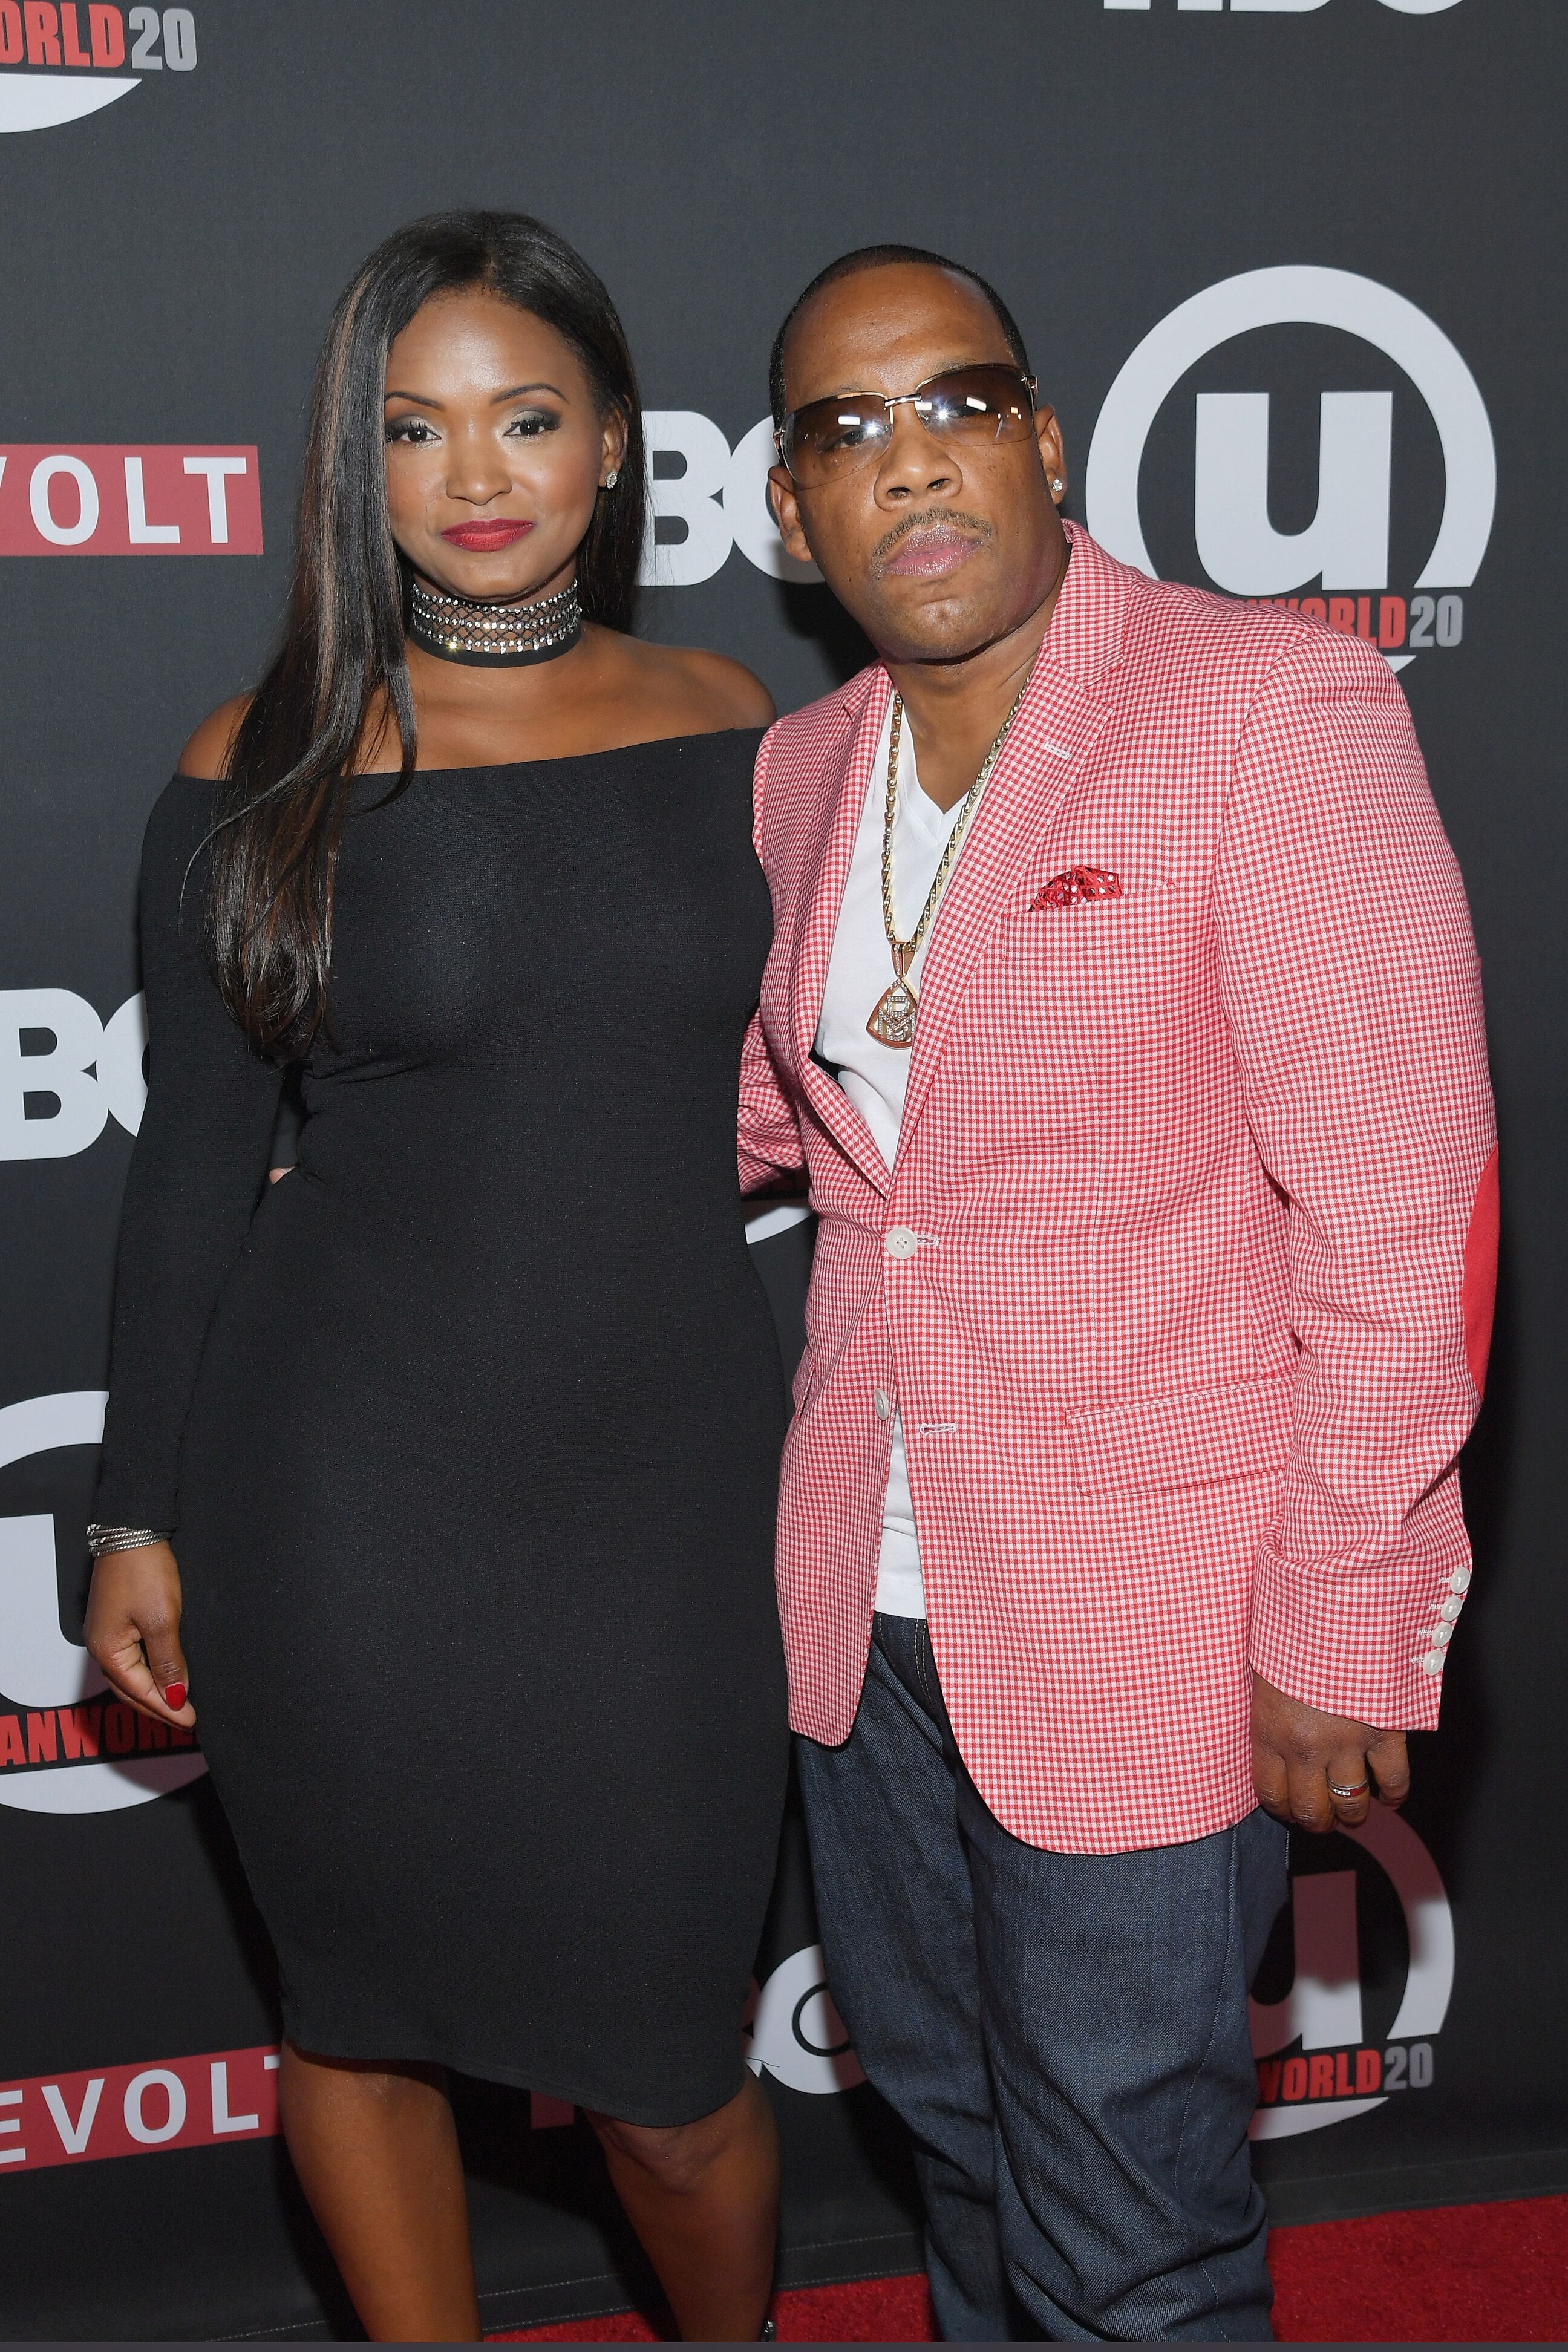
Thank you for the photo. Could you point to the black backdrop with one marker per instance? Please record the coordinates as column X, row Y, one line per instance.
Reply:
column 183, row 194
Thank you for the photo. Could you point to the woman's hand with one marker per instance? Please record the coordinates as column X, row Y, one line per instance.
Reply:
column 133, row 1631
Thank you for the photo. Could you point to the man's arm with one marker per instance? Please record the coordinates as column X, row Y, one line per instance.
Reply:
column 1352, row 990
column 769, row 1142
column 770, row 1145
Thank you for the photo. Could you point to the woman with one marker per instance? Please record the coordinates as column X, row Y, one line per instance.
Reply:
column 465, row 1433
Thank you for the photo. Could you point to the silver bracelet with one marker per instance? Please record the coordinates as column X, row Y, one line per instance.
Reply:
column 100, row 1539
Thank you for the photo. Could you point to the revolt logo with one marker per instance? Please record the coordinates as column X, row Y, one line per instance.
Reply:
column 136, row 2110
column 218, row 2099
column 1405, row 482
column 38, row 37
column 109, row 499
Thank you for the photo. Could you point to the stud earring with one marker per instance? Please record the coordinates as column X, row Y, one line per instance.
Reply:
column 1058, row 485
column 611, row 478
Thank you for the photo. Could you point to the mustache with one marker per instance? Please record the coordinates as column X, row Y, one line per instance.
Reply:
column 949, row 517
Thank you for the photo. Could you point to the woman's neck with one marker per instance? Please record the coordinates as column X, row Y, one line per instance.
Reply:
column 511, row 635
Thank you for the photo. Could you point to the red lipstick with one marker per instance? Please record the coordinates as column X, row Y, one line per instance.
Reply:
column 486, row 537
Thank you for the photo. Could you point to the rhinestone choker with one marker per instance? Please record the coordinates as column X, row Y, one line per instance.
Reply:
column 456, row 628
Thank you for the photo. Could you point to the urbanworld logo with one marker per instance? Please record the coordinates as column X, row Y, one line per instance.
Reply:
column 1347, row 542
column 1315, row 2067
column 64, row 1748
column 90, row 41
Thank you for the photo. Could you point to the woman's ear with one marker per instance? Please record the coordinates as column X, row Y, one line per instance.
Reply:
column 613, row 455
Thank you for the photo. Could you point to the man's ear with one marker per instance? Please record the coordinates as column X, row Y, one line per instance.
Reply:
column 1049, row 441
column 785, row 505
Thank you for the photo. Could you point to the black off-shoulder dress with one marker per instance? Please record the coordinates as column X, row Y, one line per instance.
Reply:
column 469, row 1428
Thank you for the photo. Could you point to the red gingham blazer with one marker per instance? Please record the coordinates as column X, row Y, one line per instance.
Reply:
column 1181, row 1278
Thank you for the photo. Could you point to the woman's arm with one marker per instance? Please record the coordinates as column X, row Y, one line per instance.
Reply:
column 198, row 1168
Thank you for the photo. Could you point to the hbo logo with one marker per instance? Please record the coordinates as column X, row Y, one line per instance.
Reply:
column 63, row 1070
column 718, row 500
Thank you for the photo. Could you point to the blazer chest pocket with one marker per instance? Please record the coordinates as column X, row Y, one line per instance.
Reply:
column 1095, row 928
column 1203, row 1437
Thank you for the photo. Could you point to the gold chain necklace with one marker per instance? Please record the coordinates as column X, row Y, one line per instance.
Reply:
column 893, row 1020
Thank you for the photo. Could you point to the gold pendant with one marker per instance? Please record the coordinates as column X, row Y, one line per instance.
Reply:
column 893, row 1022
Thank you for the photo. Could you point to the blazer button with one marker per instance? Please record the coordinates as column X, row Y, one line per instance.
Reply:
column 1450, row 1610
column 1460, row 1580
column 1432, row 1664
column 901, row 1243
column 883, row 1404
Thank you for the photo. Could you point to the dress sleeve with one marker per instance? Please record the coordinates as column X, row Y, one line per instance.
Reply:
column 196, row 1172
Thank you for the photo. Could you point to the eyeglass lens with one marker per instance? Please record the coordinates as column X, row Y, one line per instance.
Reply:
column 980, row 404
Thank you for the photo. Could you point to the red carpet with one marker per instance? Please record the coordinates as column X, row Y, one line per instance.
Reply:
column 1460, row 2274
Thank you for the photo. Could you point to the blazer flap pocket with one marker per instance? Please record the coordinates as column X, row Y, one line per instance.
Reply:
column 1162, row 1444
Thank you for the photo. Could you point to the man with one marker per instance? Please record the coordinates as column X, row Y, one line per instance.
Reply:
column 1124, row 1011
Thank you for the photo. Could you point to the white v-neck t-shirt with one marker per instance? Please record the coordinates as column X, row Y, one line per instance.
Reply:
column 875, row 1077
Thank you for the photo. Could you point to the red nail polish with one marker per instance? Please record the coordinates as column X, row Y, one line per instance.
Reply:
column 174, row 1697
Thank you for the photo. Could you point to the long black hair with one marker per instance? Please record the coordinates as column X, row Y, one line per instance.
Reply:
column 287, row 782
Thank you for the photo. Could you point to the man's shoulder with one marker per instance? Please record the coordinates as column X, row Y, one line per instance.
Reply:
column 820, row 724
column 804, row 756
column 1202, row 622
column 1197, row 631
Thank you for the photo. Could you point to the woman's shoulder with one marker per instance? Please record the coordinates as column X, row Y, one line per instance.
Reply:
column 205, row 756
column 725, row 687
column 699, row 692
column 181, row 818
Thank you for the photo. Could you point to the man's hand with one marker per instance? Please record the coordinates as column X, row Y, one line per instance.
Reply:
column 1300, row 1757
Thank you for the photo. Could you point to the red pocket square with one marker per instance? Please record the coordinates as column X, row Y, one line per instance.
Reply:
column 1075, row 887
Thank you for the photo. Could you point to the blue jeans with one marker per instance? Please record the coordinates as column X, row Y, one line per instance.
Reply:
column 1064, row 2034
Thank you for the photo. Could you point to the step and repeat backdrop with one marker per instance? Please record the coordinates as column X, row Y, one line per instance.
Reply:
column 1291, row 271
